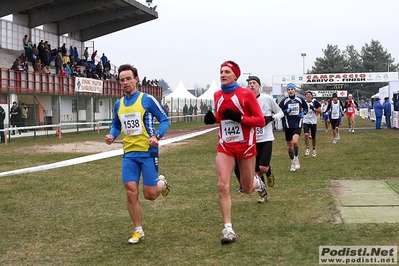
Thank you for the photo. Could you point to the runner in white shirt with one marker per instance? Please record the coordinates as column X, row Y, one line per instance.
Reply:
column 310, row 122
column 326, row 117
column 264, row 135
column 336, row 109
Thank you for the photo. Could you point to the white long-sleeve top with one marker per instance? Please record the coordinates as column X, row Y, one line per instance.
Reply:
column 269, row 107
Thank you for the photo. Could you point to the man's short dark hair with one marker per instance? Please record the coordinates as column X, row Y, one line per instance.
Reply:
column 128, row 67
column 253, row 78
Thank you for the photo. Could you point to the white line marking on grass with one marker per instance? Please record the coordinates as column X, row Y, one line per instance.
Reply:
column 94, row 157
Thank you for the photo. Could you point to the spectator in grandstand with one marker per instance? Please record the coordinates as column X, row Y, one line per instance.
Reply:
column 65, row 59
column 63, row 49
column 144, row 82
column 104, row 59
column 335, row 109
column 107, row 65
column 16, row 64
column 29, row 52
column 378, row 111
column 99, row 70
column 140, row 145
column 46, row 56
column 15, row 117
column 35, row 52
column 68, row 69
column 89, row 73
column 72, row 60
column 23, row 57
column 237, row 117
column 93, row 56
column 106, row 73
column 37, row 67
column 58, row 63
column 2, row 117
column 387, row 112
column 25, row 43
column 76, row 56
column 41, row 49
column 46, row 69
column 86, row 53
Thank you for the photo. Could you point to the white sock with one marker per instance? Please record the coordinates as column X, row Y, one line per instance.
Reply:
column 258, row 180
column 163, row 183
column 228, row 226
column 139, row 228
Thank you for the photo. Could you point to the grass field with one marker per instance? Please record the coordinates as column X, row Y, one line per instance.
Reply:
column 77, row 215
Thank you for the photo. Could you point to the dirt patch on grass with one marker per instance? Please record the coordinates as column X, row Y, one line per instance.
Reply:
column 76, row 147
column 336, row 191
column 101, row 146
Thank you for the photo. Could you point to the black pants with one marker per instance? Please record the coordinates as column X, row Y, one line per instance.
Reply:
column 2, row 132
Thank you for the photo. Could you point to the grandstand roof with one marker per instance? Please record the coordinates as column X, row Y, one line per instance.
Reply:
column 82, row 19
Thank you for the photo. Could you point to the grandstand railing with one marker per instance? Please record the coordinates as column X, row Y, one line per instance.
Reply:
column 23, row 82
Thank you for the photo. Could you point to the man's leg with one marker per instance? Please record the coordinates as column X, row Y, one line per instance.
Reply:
column 353, row 122
column 133, row 203
column 295, row 145
column 224, row 167
column 247, row 173
column 349, row 122
column 306, row 129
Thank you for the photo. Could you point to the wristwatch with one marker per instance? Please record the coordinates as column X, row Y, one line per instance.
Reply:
column 158, row 136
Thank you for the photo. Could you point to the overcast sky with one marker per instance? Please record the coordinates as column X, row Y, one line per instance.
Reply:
column 191, row 38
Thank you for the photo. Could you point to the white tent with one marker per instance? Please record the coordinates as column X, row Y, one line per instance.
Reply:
column 179, row 97
column 208, row 95
column 181, row 92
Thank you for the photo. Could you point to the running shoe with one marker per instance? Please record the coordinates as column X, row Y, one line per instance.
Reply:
column 262, row 199
column 353, row 131
column 297, row 164
column 314, row 153
column 292, row 169
column 270, row 178
column 307, row 152
column 350, row 130
column 137, row 236
column 262, row 188
column 166, row 187
column 240, row 190
column 338, row 137
column 326, row 130
column 228, row 236
column 335, row 140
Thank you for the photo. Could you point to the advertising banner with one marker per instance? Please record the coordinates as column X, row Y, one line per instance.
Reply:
column 336, row 78
column 88, row 85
